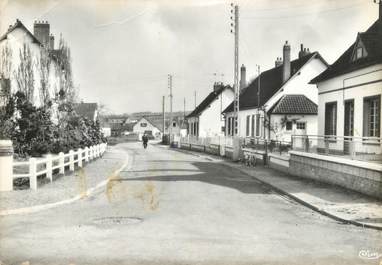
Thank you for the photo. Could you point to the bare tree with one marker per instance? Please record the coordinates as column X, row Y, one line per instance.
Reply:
column 44, row 69
column 24, row 74
column 66, row 78
column 5, row 62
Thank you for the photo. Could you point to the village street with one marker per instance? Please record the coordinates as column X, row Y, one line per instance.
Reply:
column 172, row 207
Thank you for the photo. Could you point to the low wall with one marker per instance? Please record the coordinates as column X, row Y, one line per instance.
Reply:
column 278, row 162
column 359, row 176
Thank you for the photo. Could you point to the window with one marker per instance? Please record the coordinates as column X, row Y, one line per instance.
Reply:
column 236, row 125
column 288, row 125
column 191, row 128
column 331, row 118
column 257, row 125
column 253, row 126
column 143, row 124
column 372, row 116
column 248, row 125
column 174, row 124
column 300, row 125
column 229, row 126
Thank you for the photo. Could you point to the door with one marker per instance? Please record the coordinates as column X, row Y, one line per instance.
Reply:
column 348, row 124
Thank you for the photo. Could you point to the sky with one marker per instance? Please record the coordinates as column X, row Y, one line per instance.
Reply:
column 123, row 50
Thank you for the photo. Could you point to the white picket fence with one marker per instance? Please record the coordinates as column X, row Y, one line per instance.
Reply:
column 46, row 166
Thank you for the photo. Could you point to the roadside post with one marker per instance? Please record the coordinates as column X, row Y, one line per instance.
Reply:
column 6, row 165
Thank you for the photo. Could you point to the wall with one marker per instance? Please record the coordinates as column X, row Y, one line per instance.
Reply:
column 327, row 94
column 331, row 91
column 359, row 176
column 281, row 134
column 211, row 120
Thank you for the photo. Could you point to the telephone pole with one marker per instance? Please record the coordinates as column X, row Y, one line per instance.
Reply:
column 235, row 31
column 170, row 87
column 163, row 114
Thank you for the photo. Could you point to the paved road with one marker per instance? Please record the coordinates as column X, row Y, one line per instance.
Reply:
column 170, row 207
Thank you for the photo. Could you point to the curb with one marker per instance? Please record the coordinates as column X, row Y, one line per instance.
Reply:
column 295, row 198
column 89, row 192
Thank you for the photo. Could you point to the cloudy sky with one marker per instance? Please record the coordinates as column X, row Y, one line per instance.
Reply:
column 122, row 50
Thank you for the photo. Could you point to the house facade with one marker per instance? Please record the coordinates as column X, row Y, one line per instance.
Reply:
column 350, row 91
column 36, row 51
column 206, row 119
column 144, row 125
column 280, row 102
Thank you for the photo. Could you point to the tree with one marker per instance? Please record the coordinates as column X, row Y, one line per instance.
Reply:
column 5, row 62
column 24, row 74
column 44, row 69
column 66, row 78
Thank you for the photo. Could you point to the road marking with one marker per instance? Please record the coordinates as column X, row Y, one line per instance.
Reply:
column 47, row 206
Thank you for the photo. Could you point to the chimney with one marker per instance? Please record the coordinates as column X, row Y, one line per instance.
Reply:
column 51, row 42
column 243, row 77
column 301, row 53
column 278, row 62
column 217, row 86
column 41, row 30
column 286, row 62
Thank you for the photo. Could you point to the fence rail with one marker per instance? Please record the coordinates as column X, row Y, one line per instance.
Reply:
column 35, row 167
column 357, row 148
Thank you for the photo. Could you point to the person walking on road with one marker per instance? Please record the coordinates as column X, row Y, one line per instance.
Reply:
column 145, row 139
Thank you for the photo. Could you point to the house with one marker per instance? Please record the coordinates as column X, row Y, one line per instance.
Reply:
column 41, row 72
column 280, row 102
column 349, row 93
column 206, row 119
column 144, row 125
column 87, row 110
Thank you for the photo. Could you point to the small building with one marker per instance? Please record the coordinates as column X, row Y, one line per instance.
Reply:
column 206, row 119
column 349, row 93
column 87, row 110
column 144, row 125
column 280, row 102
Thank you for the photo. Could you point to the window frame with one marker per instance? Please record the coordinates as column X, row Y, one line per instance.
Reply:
column 366, row 116
column 331, row 130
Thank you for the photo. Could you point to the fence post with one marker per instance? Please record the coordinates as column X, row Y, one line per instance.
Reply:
column 71, row 160
column 49, row 165
column 32, row 173
column 86, row 154
column 61, row 162
column 79, row 157
column 6, row 165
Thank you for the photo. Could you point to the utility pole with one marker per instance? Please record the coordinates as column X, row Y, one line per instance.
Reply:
column 194, row 99
column 163, row 114
column 235, row 31
column 170, row 87
column 184, row 109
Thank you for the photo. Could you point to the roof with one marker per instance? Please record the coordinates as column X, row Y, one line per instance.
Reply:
column 294, row 104
column 372, row 41
column 270, row 83
column 154, row 122
column 207, row 101
column 18, row 24
column 86, row 110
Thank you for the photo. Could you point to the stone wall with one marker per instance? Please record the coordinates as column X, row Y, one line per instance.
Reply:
column 359, row 176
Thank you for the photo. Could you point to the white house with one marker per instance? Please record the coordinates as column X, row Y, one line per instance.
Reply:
column 19, row 41
column 206, row 119
column 349, row 92
column 144, row 125
column 280, row 102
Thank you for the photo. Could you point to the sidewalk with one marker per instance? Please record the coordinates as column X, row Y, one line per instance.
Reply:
column 70, row 187
column 333, row 201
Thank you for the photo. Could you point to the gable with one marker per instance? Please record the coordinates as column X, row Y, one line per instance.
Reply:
column 359, row 50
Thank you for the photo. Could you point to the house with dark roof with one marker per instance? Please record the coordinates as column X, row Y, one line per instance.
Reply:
column 19, row 40
column 280, row 102
column 206, row 119
column 145, row 125
column 349, row 92
column 87, row 110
